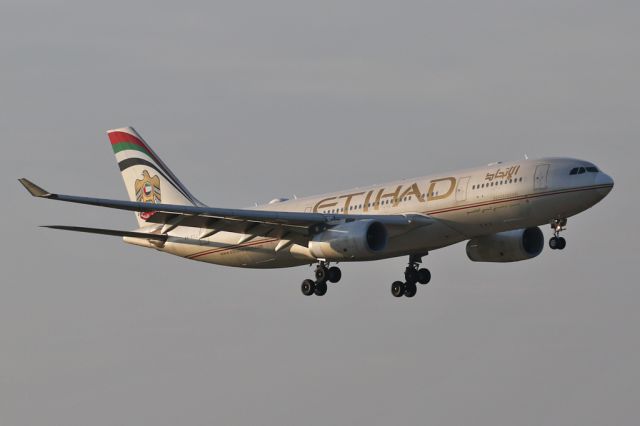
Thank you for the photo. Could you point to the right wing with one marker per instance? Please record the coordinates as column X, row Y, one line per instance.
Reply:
column 254, row 222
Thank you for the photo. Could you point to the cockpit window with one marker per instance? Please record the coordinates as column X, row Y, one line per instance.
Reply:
column 581, row 170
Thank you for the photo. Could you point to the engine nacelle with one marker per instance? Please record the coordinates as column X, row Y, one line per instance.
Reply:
column 508, row 246
column 357, row 239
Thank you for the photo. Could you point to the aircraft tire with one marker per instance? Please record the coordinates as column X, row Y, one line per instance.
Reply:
column 562, row 243
column 410, row 289
column 411, row 275
column 321, row 288
column 424, row 276
column 321, row 273
column 397, row 288
column 308, row 287
column 334, row 274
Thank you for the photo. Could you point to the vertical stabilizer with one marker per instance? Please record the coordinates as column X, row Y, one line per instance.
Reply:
column 146, row 177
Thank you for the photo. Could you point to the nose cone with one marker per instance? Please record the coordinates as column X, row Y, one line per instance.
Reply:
column 605, row 184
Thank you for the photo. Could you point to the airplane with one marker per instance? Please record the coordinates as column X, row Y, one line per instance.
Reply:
column 497, row 209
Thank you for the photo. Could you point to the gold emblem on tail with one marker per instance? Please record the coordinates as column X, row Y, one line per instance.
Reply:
column 147, row 191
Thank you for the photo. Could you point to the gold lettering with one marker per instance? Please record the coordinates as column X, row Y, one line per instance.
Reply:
column 500, row 174
column 366, row 200
column 413, row 189
column 348, row 199
column 324, row 204
column 376, row 203
column 431, row 194
column 393, row 195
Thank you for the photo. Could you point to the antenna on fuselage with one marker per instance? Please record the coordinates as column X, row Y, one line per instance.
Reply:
column 526, row 157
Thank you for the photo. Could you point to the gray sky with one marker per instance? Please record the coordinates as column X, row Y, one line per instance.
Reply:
column 247, row 101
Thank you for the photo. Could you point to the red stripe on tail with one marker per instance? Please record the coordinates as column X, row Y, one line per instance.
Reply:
column 120, row 137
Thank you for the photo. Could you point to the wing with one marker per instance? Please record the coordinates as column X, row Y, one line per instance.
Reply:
column 244, row 221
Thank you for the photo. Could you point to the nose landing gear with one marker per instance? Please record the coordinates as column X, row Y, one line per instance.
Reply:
column 323, row 273
column 413, row 274
column 557, row 242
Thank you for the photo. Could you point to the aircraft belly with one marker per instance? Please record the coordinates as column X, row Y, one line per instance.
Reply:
column 562, row 205
column 223, row 249
column 484, row 214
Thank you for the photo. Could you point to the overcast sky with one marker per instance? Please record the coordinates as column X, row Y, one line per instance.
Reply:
column 247, row 101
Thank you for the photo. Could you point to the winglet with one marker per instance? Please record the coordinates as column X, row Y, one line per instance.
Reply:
column 33, row 189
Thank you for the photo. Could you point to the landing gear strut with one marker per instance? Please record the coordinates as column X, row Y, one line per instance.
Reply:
column 557, row 242
column 323, row 273
column 413, row 274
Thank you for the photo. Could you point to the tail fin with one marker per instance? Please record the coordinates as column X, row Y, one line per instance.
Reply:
column 145, row 175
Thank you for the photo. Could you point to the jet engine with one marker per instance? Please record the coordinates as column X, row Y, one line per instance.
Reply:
column 508, row 246
column 358, row 239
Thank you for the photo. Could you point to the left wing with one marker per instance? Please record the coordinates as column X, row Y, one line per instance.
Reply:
column 254, row 222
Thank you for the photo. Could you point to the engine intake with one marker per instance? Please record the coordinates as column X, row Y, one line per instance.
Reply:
column 358, row 239
column 508, row 246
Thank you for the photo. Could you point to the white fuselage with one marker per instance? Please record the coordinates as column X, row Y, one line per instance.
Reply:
column 466, row 204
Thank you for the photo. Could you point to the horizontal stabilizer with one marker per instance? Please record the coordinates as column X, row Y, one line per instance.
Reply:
column 113, row 232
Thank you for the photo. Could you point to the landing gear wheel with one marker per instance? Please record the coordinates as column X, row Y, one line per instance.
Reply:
column 334, row 274
column 321, row 273
column 411, row 275
column 410, row 289
column 308, row 287
column 397, row 288
column 424, row 276
column 321, row 288
column 557, row 242
column 562, row 243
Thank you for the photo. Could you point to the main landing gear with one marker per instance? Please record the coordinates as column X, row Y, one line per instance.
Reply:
column 557, row 242
column 323, row 274
column 412, row 275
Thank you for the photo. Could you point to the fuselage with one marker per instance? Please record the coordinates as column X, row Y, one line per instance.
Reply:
column 466, row 203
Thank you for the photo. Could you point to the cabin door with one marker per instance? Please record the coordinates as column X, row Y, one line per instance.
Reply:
column 540, row 177
column 461, row 190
